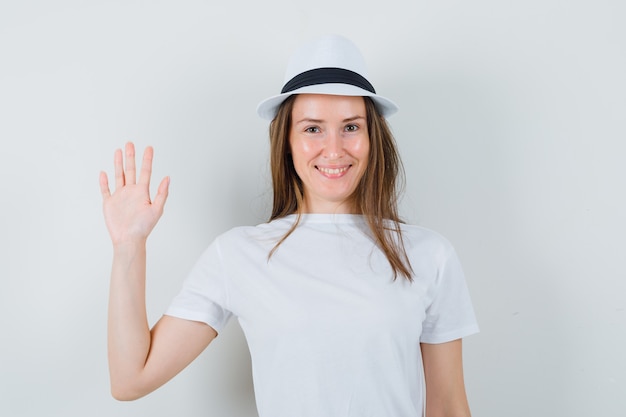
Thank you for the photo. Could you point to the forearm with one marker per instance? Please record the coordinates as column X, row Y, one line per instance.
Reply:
column 128, row 331
column 130, row 215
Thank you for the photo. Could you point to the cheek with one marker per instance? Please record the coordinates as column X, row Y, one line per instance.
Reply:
column 297, row 155
column 302, row 150
column 361, row 149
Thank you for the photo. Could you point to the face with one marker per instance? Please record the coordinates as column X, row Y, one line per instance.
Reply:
column 330, row 148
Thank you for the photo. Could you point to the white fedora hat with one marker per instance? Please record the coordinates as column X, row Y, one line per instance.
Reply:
column 327, row 65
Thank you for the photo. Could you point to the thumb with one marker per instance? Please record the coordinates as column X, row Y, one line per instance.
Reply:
column 104, row 185
column 162, row 193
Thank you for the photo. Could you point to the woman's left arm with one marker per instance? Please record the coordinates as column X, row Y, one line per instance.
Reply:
column 445, row 387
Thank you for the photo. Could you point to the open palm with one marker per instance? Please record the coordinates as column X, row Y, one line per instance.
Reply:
column 129, row 213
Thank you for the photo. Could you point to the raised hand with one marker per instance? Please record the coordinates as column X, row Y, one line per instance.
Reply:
column 129, row 213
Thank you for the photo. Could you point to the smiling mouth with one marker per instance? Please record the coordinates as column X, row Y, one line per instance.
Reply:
column 333, row 171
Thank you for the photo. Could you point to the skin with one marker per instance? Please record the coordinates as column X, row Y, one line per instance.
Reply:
column 140, row 359
column 329, row 144
column 445, row 386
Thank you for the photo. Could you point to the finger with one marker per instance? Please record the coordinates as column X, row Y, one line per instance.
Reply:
column 119, row 169
column 146, row 166
column 104, row 185
column 131, row 174
column 162, row 193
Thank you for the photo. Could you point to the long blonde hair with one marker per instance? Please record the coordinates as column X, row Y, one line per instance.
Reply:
column 376, row 196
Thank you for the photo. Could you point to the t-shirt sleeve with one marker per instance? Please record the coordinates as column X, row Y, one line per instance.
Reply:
column 204, row 295
column 450, row 315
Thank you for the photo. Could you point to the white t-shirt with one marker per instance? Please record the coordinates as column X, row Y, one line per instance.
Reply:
column 330, row 332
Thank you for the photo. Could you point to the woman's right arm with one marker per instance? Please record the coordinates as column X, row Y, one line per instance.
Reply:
column 140, row 359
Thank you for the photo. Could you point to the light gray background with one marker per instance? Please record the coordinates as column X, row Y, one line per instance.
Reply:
column 512, row 129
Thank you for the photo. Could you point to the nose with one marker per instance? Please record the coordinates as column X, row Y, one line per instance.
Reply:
column 333, row 146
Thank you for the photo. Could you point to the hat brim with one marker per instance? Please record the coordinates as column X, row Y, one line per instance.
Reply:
column 267, row 108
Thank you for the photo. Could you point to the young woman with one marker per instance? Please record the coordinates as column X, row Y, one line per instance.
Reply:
column 346, row 310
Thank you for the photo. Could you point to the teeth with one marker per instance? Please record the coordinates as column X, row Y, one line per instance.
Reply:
column 332, row 171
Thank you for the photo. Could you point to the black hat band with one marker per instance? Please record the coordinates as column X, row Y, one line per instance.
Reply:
column 327, row 76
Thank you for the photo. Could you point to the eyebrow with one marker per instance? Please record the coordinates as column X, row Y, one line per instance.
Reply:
column 346, row 120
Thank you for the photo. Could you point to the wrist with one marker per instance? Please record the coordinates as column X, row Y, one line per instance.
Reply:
column 129, row 246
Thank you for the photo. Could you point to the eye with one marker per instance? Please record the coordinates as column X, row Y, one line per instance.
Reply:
column 351, row 128
column 312, row 129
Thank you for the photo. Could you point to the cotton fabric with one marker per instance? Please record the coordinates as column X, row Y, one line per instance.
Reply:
column 330, row 332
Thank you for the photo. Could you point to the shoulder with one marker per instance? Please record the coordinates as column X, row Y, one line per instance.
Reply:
column 254, row 235
column 421, row 240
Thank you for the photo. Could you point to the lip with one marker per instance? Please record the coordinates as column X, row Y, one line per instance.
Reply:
column 333, row 171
